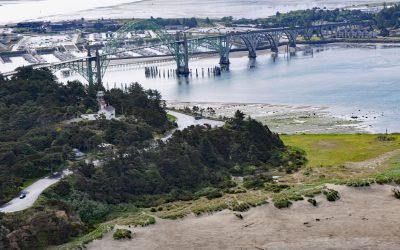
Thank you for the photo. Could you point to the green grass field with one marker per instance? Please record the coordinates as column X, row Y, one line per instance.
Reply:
column 332, row 149
column 171, row 118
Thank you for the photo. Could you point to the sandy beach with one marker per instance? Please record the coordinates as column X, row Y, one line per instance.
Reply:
column 364, row 218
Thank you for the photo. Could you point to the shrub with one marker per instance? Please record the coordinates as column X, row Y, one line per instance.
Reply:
column 240, row 216
column 255, row 182
column 240, row 191
column 311, row 193
column 312, row 202
column 214, row 194
column 385, row 138
column 148, row 221
column 209, row 192
column 241, row 207
column 331, row 194
column 295, row 197
column 276, row 188
column 121, row 234
column 153, row 210
column 358, row 183
column 282, row 203
column 396, row 193
column 382, row 180
column 229, row 191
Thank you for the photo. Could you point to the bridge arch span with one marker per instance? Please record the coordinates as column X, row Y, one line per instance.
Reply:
column 272, row 38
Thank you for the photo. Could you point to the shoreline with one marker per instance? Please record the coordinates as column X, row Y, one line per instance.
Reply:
column 285, row 119
column 330, row 225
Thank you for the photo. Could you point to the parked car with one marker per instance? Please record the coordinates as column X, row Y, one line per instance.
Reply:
column 22, row 196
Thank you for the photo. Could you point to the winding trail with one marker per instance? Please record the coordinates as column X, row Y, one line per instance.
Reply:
column 374, row 162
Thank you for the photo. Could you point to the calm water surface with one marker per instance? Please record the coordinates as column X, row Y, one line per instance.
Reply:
column 361, row 80
column 22, row 10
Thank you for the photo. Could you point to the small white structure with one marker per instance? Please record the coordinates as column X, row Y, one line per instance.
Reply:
column 104, row 110
column 108, row 112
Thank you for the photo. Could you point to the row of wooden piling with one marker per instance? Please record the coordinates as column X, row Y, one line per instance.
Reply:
column 154, row 72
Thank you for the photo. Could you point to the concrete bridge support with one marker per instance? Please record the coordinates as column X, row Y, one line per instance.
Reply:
column 251, row 41
column 292, row 37
column 98, row 68
column 182, row 55
column 274, row 38
column 223, row 50
column 89, row 67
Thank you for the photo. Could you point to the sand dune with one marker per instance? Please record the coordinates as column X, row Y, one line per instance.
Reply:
column 364, row 218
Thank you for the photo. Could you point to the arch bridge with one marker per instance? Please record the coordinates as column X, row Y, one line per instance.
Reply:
column 182, row 45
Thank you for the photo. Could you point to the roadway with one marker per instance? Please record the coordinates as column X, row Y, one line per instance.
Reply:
column 32, row 194
column 185, row 121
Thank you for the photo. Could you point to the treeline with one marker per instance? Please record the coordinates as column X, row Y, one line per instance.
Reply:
column 34, row 142
column 303, row 18
column 189, row 22
column 308, row 17
column 388, row 17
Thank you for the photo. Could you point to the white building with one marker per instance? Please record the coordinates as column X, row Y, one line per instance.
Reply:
column 108, row 112
column 105, row 111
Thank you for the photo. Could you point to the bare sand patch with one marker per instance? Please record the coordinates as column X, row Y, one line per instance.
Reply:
column 364, row 218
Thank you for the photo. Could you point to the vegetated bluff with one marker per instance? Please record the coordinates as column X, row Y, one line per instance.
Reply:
column 140, row 171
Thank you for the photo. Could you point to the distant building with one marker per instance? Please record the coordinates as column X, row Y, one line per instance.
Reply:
column 355, row 33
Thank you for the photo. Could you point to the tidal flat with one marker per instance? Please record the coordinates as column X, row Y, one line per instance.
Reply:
column 285, row 119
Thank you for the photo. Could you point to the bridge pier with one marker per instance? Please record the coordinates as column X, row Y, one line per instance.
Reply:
column 98, row 68
column 224, row 47
column 252, row 54
column 89, row 68
column 251, row 41
column 182, row 55
column 224, row 62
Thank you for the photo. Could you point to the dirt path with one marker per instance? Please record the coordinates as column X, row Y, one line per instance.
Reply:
column 364, row 218
column 374, row 162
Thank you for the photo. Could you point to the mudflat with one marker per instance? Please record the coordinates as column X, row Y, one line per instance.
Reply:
column 363, row 218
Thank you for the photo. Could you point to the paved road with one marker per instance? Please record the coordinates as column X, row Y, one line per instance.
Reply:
column 185, row 121
column 32, row 193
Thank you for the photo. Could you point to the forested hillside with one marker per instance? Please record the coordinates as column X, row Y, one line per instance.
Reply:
column 33, row 140
column 37, row 136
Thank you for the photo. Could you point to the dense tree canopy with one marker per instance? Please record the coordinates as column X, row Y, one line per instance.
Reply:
column 388, row 17
column 34, row 138
column 192, row 159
